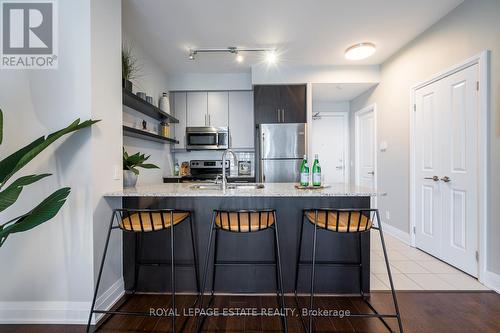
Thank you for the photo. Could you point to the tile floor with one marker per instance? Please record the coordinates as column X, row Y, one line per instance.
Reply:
column 413, row 269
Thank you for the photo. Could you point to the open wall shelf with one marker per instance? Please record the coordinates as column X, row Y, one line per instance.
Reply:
column 137, row 133
column 140, row 105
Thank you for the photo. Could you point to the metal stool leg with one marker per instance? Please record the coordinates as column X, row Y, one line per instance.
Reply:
column 137, row 255
column 205, row 273
column 195, row 255
column 298, row 256
column 100, row 271
column 172, row 267
column 360, row 267
column 216, row 255
column 313, row 264
column 393, row 291
column 279, row 275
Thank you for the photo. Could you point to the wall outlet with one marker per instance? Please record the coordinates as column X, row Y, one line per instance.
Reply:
column 117, row 172
column 387, row 215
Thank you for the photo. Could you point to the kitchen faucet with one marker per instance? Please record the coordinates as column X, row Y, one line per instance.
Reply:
column 224, row 177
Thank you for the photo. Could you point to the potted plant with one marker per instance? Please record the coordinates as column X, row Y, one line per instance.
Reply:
column 130, row 68
column 9, row 194
column 130, row 165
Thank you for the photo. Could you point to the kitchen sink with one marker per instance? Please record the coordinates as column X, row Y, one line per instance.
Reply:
column 244, row 186
column 239, row 186
column 206, row 187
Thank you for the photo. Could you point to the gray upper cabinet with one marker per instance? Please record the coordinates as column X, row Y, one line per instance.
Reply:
column 180, row 112
column 218, row 113
column 241, row 119
column 197, row 106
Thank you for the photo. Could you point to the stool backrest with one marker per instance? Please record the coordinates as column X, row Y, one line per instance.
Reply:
column 244, row 220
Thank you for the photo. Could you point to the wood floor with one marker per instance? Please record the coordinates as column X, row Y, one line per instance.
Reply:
column 421, row 311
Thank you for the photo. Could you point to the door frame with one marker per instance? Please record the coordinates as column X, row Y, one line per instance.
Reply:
column 482, row 60
column 347, row 144
column 357, row 150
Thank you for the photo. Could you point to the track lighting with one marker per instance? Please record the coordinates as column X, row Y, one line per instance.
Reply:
column 270, row 53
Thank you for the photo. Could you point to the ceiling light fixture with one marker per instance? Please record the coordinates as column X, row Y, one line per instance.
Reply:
column 192, row 55
column 360, row 51
column 271, row 55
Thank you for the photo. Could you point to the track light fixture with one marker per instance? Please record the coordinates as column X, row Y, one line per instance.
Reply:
column 270, row 53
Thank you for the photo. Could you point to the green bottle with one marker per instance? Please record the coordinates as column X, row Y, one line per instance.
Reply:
column 316, row 172
column 304, row 172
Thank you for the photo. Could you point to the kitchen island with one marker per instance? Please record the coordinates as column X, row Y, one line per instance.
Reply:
column 288, row 202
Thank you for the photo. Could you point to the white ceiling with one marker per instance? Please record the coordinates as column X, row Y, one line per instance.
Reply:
column 338, row 92
column 306, row 32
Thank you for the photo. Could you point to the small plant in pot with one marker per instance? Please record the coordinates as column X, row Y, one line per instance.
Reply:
column 130, row 165
column 130, row 68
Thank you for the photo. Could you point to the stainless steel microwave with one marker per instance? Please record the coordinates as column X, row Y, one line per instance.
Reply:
column 207, row 138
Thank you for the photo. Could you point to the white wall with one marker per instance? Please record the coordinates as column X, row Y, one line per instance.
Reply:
column 50, row 275
column 106, row 161
column 153, row 81
column 51, row 265
column 329, row 106
column 470, row 28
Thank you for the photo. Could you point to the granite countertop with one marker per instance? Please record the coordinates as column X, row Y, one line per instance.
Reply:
column 269, row 190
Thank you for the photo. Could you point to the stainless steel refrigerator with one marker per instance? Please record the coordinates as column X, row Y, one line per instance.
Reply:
column 281, row 149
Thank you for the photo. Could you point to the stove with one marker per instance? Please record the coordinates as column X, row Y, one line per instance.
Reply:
column 206, row 169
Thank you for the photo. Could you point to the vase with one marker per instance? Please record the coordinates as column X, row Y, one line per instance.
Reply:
column 164, row 103
column 129, row 178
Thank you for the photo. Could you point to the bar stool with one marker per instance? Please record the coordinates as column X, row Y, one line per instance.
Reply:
column 347, row 221
column 141, row 221
column 243, row 221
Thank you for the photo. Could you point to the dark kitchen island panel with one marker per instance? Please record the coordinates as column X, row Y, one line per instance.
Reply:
column 254, row 246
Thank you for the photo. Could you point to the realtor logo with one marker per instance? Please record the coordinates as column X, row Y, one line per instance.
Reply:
column 29, row 38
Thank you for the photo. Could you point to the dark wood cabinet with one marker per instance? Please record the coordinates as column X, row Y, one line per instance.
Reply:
column 280, row 104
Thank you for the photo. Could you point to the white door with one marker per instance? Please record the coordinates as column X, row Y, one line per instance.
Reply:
column 446, row 133
column 218, row 112
column 365, row 143
column 197, row 108
column 241, row 122
column 330, row 142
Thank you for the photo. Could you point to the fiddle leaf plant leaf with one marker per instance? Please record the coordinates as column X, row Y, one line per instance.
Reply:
column 43, row 212
column 12, row 192
column 1, row 126
column 19, row 159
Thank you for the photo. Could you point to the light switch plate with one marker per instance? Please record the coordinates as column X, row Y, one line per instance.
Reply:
column 383, row 145
column 117, row 172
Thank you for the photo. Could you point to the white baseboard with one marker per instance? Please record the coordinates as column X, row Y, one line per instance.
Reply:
column 492, row 281
column 395, row 232
column 57, row 312
column 108, row 298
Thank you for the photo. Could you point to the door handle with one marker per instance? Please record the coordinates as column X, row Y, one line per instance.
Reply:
column 282, row 115
column 434, row 178
column 446, row 179
column 371, row 172
column 206, row 120
column 278, row 112
column 209, row 121
column 339, row 167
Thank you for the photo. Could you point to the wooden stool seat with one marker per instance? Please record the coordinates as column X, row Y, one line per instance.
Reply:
column 151, row 221
column 244, row 221
column 340, row 221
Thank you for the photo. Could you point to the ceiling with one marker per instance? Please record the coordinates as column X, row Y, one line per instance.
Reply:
column 306, row 32
column 338, row 92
